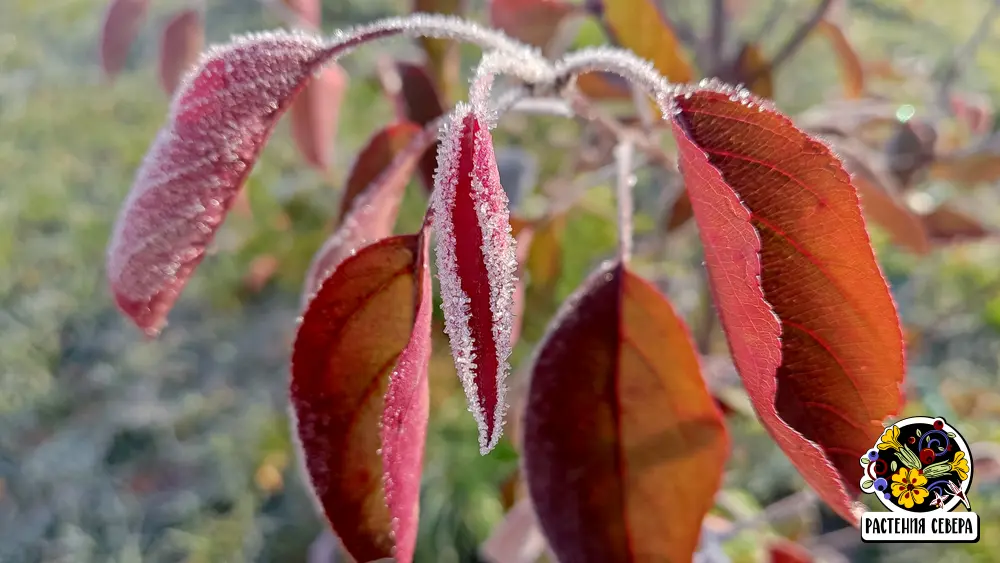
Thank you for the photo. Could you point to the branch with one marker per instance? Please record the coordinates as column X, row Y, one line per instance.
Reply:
column 624, row 155
column 795, row 41
column 959, row 61
column 717, row 34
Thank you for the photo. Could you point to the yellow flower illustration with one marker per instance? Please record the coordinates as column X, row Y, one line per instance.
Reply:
column 960, row 465
column 890, row 439
column 908, row 487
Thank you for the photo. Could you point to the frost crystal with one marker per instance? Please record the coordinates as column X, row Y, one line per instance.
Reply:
column 476, row 266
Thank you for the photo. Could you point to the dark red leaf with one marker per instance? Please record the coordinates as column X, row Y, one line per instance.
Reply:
column 534, row 22
column 811, row 325
column 182, row 42
column 788, row 552
column 947, row 224
column 624, row 448
column 122, row 21
column 476, row 266
column 314, row 115
column 422, row 104
column 360, row 362
column 386, row 145
column 371, row 201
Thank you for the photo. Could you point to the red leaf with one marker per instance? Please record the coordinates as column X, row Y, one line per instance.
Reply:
column 422, row 104
column 811, row 326
column 360, row 361
column 377, row 156
column 949, row 225
column 182, row 42
column 371, row 201
column 121, row 26
column 624, row 447
column 476, row 262
column 532, row 21
column 314, row 115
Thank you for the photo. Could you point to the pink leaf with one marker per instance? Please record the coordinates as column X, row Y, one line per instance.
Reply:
column 121, row 26
column 182, row 42
column 311, row 11
column 476, row 265
column 314, row 115
column 218, row 124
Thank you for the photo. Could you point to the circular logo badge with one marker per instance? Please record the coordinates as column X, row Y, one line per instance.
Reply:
column 919, row 464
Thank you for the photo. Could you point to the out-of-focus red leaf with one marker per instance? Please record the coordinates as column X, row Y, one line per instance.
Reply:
column 314, row 115
column 788, row 552
column 476, row 265
column 360, row 362
column 885, row 208
column 182, row 42
column 811, row 325
column 375, row 194
column 973, row 110
column 679, row 213
column 198, row 163
column 122, row 21
column 852, row 72
column 422, row 103
column 949, row 225
column 443, row 56
column 617, row 410
column 752, row 64
column 311, row 11
column 376, row 156
column 517, row 539
column 639, row 25
column 968, row 166
column 532, row 21
column 261, row 270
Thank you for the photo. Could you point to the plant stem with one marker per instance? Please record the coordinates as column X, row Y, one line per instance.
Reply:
column 717, row 35
column 624, row 157
column 534, row 72
column 795, row 40
column 624, row 63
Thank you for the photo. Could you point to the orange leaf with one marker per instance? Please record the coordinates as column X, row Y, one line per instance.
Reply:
column 617, row 411
column 639, row 25
column 852, row 72
column 181, row 44
column 314, row 115
column 603, row 86
column 122, row 21
column 752, row 63
column 811, row 325
column 544, row 260
column 948, row 225
column 373, row 160
column 968, row 166
column 680, row 212
column 360, row 364
column 532, row 21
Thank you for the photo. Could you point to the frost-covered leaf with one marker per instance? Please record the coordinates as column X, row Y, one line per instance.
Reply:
column 377, row 156
column 476, row 265
column 372, row 198
column 623, row 446
column 359, row 395
column 811, row 325
column 122, row 22
column 180, row 46
column 314, row 115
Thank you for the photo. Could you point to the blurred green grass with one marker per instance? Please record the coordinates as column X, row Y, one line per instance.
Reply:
column 113, row 448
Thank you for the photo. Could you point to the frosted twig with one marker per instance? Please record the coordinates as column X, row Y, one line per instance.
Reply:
column 624, row 155
column 532, row 71
column 623, row 63
column 435, row 26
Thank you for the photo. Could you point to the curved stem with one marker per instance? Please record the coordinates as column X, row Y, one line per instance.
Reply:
column 534, row 72
column 623, row 63
column 624, row 156
column 435, row 26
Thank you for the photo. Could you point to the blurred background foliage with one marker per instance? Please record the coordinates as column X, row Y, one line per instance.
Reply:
column 114, row 448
